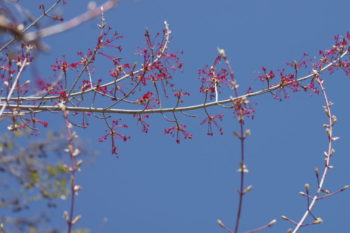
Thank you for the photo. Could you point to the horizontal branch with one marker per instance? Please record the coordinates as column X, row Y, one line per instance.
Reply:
column 151, row 111
column 114, row 82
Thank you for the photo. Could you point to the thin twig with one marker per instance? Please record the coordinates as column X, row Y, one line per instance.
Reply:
column 14, row 84
column 32, row 24
column 70, row 24
column 242, row 176
column 327, row 159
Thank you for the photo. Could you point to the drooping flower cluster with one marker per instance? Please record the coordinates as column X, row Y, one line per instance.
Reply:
column 212, row 121
column 177, row 131
column 113, row 133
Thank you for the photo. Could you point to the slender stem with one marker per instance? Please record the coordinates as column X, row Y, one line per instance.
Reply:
column 14, row 84
column 73, row 170
column 330, row 151
column 76, row 21
column 242, row 172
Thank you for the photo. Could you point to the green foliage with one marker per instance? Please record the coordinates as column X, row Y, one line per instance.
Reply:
column 81, row 231
column 31, row 172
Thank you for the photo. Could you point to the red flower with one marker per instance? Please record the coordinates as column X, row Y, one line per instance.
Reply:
column 112, row 133
column 176, row 130
column 140, row 119
column 179, row 95
column 212, row 120
column 146, row 99
column 64, row 65
column 267, row 76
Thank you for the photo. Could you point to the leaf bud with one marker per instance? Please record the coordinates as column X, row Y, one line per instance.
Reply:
column 272, row 222
column 221, row 52
column 76, row 219
column 318, row 221
column 247, row 189
column 247, row 133
column 65, row 216
column 307, row 187
column 243, row 168
column 220, row 223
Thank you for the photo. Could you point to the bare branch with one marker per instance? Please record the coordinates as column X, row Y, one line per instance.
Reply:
column 14, row 84
column 59, row 28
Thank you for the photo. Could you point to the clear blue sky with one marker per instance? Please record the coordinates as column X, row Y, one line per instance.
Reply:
column 157, row 186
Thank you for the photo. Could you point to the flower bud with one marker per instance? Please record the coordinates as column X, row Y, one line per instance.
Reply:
column 272, row 222
column 220, row 223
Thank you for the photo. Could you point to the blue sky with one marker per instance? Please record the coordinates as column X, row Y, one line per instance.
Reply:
column 158, row 186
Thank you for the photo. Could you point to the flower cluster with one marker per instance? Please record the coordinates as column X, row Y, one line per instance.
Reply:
column 141, row 120
column 112, row 133
column 212, row 121
column 242, row 108
column 158, row 63
column 214, row 78
column 146, row 99
column 64, row 65
column 331, row 59
column 341, row 44
column 177, row 131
